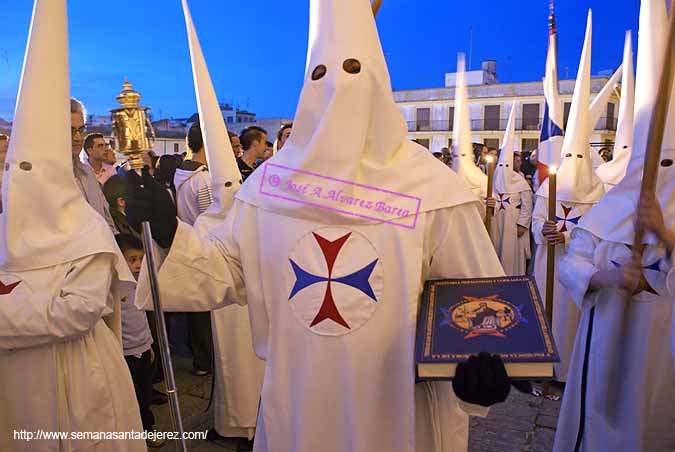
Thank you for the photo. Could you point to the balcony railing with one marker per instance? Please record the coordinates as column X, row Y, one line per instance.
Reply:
column 492, row 125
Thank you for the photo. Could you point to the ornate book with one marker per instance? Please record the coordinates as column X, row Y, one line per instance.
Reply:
column 462, row 317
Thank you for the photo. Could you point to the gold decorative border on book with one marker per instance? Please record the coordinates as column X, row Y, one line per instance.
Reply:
column 535, row 300
column 542, row 318
column 430, row 320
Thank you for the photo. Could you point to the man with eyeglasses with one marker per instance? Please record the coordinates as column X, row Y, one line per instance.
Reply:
column 84, row 175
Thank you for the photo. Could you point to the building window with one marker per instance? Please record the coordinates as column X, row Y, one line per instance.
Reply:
column 175, row 148
column 422, row 141
column 229, row 119
column 531, row 117
column 566, row 113
column 529, row 144
column 611, row 124
column 492, row 143
column 451, row 119
column 491, row 117
column 424, row 119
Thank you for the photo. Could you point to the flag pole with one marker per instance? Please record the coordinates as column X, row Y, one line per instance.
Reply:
column 550, row 260
column 550, row 255
column 489, row 211
column 656, row 131
column 552, row 34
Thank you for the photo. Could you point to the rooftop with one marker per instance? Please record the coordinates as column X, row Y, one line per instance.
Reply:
column 518, row 89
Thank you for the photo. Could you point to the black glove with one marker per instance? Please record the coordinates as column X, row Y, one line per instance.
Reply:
column 482, row 380
column 147, row 200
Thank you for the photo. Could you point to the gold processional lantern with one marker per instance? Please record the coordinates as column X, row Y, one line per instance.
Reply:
column 134, row 135
column 132, row 130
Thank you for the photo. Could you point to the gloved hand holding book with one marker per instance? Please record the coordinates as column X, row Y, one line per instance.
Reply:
column 482, row 380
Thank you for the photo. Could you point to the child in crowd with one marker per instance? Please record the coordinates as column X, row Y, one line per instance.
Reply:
column 137, row 340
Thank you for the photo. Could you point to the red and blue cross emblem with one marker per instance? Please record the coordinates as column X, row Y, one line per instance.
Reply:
column 358, row 280
column 503, row 201
column 567, row 219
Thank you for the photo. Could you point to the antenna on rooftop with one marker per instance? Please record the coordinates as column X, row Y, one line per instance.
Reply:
column 468, row 68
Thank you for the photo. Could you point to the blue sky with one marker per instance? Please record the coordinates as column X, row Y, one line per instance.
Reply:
column 256, row 49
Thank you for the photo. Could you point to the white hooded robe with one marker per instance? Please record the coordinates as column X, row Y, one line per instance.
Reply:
column 333, row 297
column 462, row 155
column 514, row 200
column 620, row 393
column 578, row 189
column 61, row 365
column 613, row 171
column 238, row 372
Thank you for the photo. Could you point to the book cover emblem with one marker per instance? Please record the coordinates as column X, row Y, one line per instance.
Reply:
column 477, row 316
column 503, row 315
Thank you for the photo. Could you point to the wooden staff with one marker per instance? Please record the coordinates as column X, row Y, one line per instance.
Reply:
column 376, row 6
column 656, row 131
column 550, row 258
column 489, row 211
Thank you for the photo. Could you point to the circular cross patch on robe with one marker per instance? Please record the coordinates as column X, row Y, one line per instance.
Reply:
column 335, row 281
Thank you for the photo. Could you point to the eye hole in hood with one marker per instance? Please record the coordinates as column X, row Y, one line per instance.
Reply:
column 352, row 66
column 319, row 72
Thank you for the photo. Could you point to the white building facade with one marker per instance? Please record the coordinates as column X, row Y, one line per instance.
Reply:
column 430, row 112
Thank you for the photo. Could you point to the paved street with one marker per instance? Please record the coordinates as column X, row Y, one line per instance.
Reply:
column 521, row 424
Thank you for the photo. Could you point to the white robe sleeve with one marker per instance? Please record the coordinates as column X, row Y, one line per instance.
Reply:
column 576, row 269
column 526, row 207
column 539, row 216
column 460, row 248
column 40, row 318
column 202, row 274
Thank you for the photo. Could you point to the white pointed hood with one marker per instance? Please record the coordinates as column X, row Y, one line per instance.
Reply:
column 225, row 176
column 577, row 182
column 45, row 220
column 348, row 127
column 599, row 104
column 613, row 218
column 462, row 153
column 506, row 180
column 613, row 171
